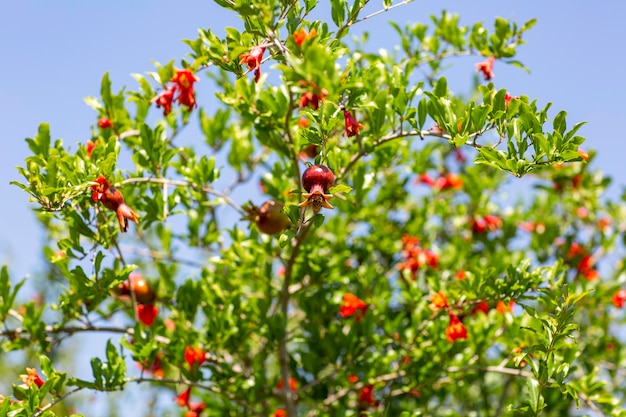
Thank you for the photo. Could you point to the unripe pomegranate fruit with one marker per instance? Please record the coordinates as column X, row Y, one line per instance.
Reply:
column 144, row 294
column 316, row 180
column 269, row 218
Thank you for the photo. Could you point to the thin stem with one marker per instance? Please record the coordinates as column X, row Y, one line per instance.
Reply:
column 56, row 401
column 180, row 183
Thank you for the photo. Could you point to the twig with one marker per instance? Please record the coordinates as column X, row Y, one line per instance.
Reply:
column 56, row 401
column 211, row 388
column 180, row 183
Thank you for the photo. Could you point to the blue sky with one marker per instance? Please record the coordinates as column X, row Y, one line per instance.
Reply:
column 54, row 55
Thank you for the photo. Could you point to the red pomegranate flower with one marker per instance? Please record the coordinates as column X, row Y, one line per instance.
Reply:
column 300, row 36
column 455, row 330
column 618, row 298
column 253, row 60
column 32, row 377
column 183, row 398
column 113, row 200
column 184, row 80
column 486, row 67
column 194, row 355
column 90, row 147
column 366, row 396
column 104, row 123
column 351, row 305
column 438, row 301
column 147, row 313
column 293, row 384
column 164, row 99
column 352, row 126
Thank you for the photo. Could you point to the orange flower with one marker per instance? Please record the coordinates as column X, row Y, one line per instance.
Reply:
column 194, row 355
column 353, row 378
column 293, row 384
column 352, row 304
column 164, row 99
column 253, row 60
column 300, row 36
column 303, row 122
column 618, row 298
column 486, row 67
column 104, row 123
column 281, row 412
column 31, row 377
column 460, row 274
column 502, row 307
column 438, row 301
column 591, row 274
column 147, row 313
column 184, row 80
column 583, row 154
column 183, row 398
column 352, row 126
column 455, row 330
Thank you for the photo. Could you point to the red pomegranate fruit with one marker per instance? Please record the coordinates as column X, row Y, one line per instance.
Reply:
column 316, row 180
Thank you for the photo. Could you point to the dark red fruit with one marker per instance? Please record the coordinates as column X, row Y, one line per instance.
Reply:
column 271, row 220
column 316, row 180
column 318, row 177
column 144, row 293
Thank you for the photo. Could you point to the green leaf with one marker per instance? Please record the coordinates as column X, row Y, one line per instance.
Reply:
column 340, row 188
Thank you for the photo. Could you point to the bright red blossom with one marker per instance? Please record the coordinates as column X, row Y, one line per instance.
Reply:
column 183, row 398
column 147, row 313
column 618, row 298
column 194, row 355
column 366, row 395
column 113, row 200
column 351, row 305
column 164, row 99
column 253, row 60
column 487, row 223
column 281, row 412
column 104, row 123
column 486, row 67
column 352, row 126
column 184, row 80
column 415, row 257
column 508, row 98
column 455, row 330
column 481, row 306
column 90, row 146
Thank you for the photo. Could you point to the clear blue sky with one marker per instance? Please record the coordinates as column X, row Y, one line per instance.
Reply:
column 54, row 53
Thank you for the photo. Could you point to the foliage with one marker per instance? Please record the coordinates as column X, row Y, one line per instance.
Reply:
column 431, row 287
